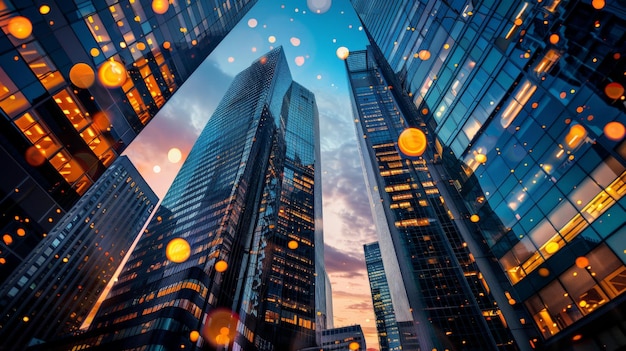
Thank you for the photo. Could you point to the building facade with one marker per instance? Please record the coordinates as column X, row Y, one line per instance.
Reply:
column 54, row 289
column 386, row 325
column 525, row 104
column 442, row 289
column 78, row 81
column 343, row 338
column 242, row 212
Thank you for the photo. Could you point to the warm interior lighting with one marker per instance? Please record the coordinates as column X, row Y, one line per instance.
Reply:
column 547, row 61
column 514, row 107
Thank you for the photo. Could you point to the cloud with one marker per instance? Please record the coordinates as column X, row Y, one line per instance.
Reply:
column 359, row 306
column 340, row 261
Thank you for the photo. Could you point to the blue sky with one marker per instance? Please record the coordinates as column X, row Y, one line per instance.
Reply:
column 310, row 41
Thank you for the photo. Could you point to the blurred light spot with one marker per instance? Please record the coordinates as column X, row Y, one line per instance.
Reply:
column 597, row 4
column 34, row 157
column 21, row 232
column 412, row 142
column 25, row 319
column 552, row 247
column 220, row 327
column 94, row 52
column 160, row 6
column 167, row 45
column 575, row 136
column 174, row 155
column 480, row 158
column 82, row 75
column 554, row 38
column 292, row 244
column 582, row 262
column 252, row 23
column 194, row 335
column 518, row 22
column 3, row 260
column 221, row 266
column 614, row 90
column 474, row 218
column 271, row 39
column 446, row 46
column 112, row 74
column 8, row 240
column 353, row 346
column 319, row 76
column 299, row 60
column 178, row 250
column 294, row 41
column 44, row 9
column 20, row 27
column 424, row 55
column 614, row 130
column 156, row 169
column 544, row 272
column 231, row 59
column 343, row 52
column 141, row 46
column 318, row 6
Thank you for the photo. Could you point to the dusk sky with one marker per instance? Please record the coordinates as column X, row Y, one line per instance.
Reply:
column 310, row 33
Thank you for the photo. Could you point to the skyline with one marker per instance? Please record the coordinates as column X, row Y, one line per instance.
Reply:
column 313, row 63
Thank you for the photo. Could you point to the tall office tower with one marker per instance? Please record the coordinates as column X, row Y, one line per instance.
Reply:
column 78, row 81
column 437, row 282
column 526, row 104
column 229, row 257
column 343, row 338
column 386, row 325
column 53, row 290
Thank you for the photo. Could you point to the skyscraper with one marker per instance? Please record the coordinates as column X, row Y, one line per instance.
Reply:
column 386, row 325
column 230, row 256
column 78, row 81
column 420, row 232
column 525, row 105
column 53, row 290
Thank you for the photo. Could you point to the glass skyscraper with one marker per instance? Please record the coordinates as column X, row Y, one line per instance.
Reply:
column 524, row 101
column 54, row 289
column 78, row 81
column 439, row 285
column 229, row 259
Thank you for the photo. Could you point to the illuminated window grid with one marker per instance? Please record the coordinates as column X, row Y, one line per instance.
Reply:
column 40, row 64
column 12, row 101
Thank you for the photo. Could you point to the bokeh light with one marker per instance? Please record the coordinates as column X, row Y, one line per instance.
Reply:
column 271, row 39
column 353, row 346
column 575, row 136
column 221, row 266
column 194, row 336
column 252, row 23
column 424, row 55
column 160, row 6
column 20, row 27
column 294, row 41
column 156, row 169
column 94, row 52
column 552, row 247
column 598, row 4
column 299, row 60
column 343, row 52
column 82, row 75
column 34, row 157
column 8, row 240
column 412, row 142
column 582, row 262
column 544, row 272
column 112, row 74
column 178, row 250
column 318, row 6
column 292, row 244
column 167, row 45
column 44, row 9
column 614, row 90
column 20, row 232
column 220, row 327
column 474, row 218
column 614, row 131
column 140, row 46
column 174, row 155
column 480, row 158
column 554, row 38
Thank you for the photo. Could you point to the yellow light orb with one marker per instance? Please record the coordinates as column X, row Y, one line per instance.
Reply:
column 554, row 38
column 480, row 158
column 20, row 27
column 598, row 4
column 222, row 339
column 160, row 6
column 292, row 244
column 25, row 319
column 221, row 266
column 343, row 52
column 112, row 74
column 44, row 9
column 194, row 336
column 94, row 52
column 614, row 131
column 82, row 75
column 353, row 346
column 174, row 155
column 412, row 142
column 424, row 55
column 474, row 218
column 178, row 250
column 614, row 90
column 552, row 247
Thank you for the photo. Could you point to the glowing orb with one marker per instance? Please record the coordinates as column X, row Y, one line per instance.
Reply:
column 518, row 21
column 299, row 60
column 82, row 75
column 544, row 272
column 552, row 247
column 141, row 46
column 318, row 6
column 614, row 90
column 343, row 52
column 25, row 319
column 220, row 327
column 194, row 336
column 178, row 250
column 20, row 27
column 582, row 262
column 474, row 218
column 252, row 23
column 480, row 158
column 8, row 240
column 21, row 232
column 156, row 169
column 575, row 135
column 446, row 46
column 231, row 59
column 34, row 157
column 221, row 266
column 160, row 6
column 167, row 45
column 554, row 38
column 112, row 74
column 44, row 9
column 353, row 346
column 174, row 155
column 614, row 131
column 292, row 244
column 94, row 52
column 412, row 142
column 294, row 41
column 424, row 55
column 271, row 39
column 597, row 4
